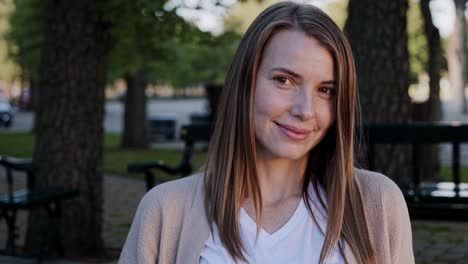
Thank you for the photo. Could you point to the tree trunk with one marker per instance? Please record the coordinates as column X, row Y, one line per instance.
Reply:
column 213, row 91
column 459, row 41
column 430, row 111
column 434, row 62
column 378, row 37
column 135, row 133
column 69, row 136
column 34, row 95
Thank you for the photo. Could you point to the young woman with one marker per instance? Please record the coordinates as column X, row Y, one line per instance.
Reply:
column 280, row 183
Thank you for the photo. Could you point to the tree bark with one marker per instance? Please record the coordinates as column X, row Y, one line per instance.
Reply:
column 34, row 93
column 213, row 91
column 455, row 64
column 434, row 65
column 430, row 111
column 135, row 132
column 378, row 37
column 459, row 42
column 69, row 136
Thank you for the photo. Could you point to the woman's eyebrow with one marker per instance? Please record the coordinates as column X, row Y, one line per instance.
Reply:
column 288, row 71
column 333, row 82
column 298, row 76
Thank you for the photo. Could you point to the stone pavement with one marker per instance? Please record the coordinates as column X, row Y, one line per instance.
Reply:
column 433, row 242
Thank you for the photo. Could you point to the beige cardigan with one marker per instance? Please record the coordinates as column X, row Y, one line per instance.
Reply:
column 170, row 224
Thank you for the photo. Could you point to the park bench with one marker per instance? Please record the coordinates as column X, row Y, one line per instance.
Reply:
column 33, row 197
column 190, row 134
column 426, row 200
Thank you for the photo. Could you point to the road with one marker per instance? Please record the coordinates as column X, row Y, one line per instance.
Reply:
column 113, row 122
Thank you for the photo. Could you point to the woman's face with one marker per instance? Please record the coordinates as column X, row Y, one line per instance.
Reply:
column 295, row 96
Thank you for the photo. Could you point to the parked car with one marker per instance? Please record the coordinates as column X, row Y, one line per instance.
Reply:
column 6, row 113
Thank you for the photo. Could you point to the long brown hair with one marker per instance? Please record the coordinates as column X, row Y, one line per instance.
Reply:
column 230, row 172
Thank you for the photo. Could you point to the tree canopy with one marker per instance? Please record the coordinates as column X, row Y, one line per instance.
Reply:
column 144, row 34
column 26, row 36
column 173, row 50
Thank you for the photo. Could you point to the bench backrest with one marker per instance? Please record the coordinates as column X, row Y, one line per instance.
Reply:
column 416, row 134
column 196, row 132
column 26, row 166
column 409, row 133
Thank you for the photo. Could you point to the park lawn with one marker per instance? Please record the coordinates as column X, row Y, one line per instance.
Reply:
column 20, row 145
column 446, row 173
column 115, row 159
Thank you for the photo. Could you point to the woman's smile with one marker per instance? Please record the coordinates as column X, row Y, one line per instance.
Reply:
column 293, row 132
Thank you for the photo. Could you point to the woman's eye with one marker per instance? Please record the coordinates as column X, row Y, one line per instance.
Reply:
column 328, row 91
column 282, row 80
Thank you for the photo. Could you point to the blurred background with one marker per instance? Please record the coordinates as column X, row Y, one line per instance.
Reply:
column 88, row 87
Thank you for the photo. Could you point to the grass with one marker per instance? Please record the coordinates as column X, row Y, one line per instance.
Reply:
column 434, row 234
column 17, row 144
column 446, row 173
column 115, row 159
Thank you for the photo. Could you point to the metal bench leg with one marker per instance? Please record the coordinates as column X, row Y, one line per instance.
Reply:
column 10, row 219
column 45, row 243
column 55, row 213
column 149, row 179
column 58, row 228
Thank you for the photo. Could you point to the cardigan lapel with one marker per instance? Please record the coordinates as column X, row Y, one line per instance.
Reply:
column 195, row 230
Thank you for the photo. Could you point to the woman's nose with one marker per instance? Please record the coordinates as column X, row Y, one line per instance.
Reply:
column 302, row 107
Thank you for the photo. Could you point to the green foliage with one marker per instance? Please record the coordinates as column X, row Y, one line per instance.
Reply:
column 338, row 11
column 139, row 30
column 146, row 35
column 417, row 43
column 8, row 68
column 205, row 60
column 27, row 35
column 242, row 14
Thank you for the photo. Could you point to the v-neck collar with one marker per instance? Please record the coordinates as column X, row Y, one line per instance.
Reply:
column 268, row 240
column 197, row 230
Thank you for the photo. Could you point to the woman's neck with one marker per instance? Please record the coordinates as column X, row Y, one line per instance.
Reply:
column 280, row 179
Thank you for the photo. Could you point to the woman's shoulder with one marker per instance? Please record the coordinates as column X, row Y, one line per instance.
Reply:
column 387, row 215
column 376, row 184
column 382, row 198
column 174, row 193
column 161, row 214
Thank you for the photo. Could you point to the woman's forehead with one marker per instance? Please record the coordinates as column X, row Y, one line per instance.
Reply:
column 298, row 52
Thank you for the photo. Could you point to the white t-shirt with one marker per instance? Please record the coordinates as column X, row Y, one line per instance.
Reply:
column 298, row 241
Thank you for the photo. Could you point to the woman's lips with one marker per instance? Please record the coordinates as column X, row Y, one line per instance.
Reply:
column 294, row 133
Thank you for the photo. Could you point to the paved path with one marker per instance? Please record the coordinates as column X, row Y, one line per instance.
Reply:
column 434, row 242
column 121, row 200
